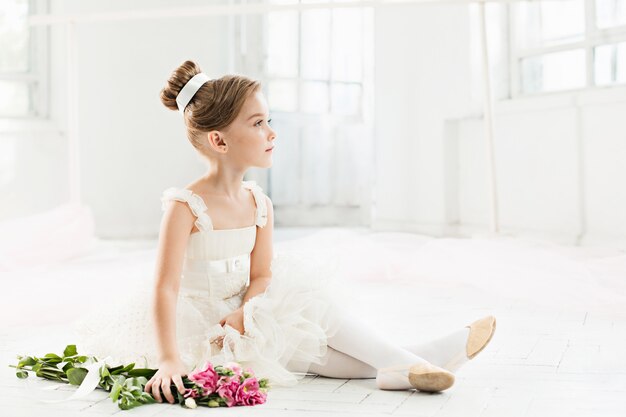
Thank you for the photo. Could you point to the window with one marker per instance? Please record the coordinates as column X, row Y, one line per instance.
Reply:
column 567, row 44
column 318, row 76
column 22, row 61
column 309, row 73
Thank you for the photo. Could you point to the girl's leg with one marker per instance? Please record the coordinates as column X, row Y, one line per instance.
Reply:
column 339, row 365
column 355, row 338
column 447, row 352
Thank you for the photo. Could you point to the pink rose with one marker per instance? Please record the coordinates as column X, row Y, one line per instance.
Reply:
column 257, row 397
column 190, row 392
column 235, row 367
column 249, row 393
column 227, row 390
column 205, row 377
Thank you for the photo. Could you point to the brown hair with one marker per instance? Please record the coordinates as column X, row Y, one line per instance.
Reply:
column 214, row 106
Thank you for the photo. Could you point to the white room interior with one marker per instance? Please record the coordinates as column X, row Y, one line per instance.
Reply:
column 384, row 154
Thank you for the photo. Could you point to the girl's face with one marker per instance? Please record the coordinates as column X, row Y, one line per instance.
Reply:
column 249, row 137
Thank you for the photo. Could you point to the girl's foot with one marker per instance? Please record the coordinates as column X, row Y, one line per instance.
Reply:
column 422, row 376
column 430, row 378
column 455, row 349
column 481, row 332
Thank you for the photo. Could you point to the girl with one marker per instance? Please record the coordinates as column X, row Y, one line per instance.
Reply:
column 221, row 294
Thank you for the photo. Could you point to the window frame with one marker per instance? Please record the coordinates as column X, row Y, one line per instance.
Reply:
column 37, row 77
column 254, row 61
column 358, row 117
column 592, row 38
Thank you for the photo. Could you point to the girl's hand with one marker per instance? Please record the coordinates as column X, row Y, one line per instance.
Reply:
column 234, row 320
column 169, row 371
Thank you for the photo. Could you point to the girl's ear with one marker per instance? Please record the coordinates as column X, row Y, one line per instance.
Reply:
column 216, row 141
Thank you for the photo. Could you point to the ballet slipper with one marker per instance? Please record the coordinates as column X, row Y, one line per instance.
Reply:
column 481, row 332
column 430, row 378
column 422, row 376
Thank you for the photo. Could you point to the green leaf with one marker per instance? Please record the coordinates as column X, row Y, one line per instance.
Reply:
column 147, row 398
column 117, row 388
column 47, row 369
column 21, row 374
column 76, row 375
column 70, row 350
column 67, row 367
column 43, row 373
column 145, row 372
column 52, row 358
column 27, row 361
column 104, row 372
column 127, row 368
column 114, row 369
column 135, row 382
column 127, row 404
column 51, row 355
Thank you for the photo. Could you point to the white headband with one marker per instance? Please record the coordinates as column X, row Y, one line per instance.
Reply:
column 189, row 90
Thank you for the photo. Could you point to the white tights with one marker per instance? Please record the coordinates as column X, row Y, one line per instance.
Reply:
column 358, row 351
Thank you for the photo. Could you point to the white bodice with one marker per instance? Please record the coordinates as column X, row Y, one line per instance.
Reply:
column 217, row 262
column 287, row 325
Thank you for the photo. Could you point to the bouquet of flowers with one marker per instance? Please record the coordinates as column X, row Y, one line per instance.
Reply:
column 220, row 386
column 225, row 385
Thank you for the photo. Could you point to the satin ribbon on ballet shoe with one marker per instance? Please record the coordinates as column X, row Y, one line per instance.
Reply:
column 481, row 332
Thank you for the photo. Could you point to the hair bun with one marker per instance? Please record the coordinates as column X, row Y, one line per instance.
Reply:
column 180, row 76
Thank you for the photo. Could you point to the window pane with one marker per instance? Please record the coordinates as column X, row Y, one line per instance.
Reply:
column 314, row 97
column 8, row 159
column 14, row 98
column 555, row 71
column 282, row 95
column 610, row 13
column 315, row 46
column 549, row 22
column 347, row 44
column 14, row 35
column 284, row 176
column 346, row 99
column 282, row 60
column 317, row 163
column 610, row 64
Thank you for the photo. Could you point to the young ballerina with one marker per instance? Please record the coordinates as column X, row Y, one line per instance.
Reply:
column 221, row 294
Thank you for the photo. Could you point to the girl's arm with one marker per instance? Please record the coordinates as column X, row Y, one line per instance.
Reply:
column 261, row 257
column 260, row 272
column 176, row 225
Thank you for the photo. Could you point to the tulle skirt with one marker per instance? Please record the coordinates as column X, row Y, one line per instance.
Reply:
column 286, row 327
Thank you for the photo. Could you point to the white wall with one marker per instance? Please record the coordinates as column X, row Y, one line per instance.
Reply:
column 132, row 147
column 422, row 78
column 560, row 158
column 560, row 167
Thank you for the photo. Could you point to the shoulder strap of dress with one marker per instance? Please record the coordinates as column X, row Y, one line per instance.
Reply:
column 195, row 202
column 259, row 199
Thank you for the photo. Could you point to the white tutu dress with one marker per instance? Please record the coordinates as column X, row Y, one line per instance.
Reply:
column 286, row 327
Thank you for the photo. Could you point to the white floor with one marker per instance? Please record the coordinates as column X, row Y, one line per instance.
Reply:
column 559, row 348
